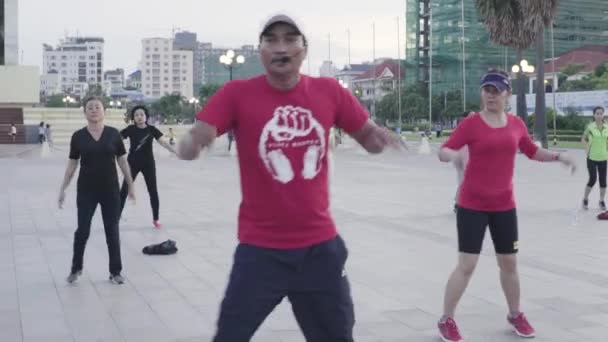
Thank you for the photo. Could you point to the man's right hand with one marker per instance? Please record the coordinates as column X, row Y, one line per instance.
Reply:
column 374, row 139
column 200, row 136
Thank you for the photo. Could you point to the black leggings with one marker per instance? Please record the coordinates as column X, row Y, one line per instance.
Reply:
column 86, row 202
column 594, row 168
column 149, row 172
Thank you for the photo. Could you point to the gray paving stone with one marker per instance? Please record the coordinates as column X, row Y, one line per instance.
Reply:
column 394, row 211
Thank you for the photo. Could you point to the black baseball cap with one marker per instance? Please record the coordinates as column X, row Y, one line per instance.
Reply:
column 282, row 19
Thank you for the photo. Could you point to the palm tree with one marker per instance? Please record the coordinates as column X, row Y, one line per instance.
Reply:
column 507, row 26
column 540, row 14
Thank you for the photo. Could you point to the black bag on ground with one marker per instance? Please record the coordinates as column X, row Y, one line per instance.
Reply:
column 163, row 248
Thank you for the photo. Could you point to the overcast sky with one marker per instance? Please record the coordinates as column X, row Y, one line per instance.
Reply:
column 123, row 23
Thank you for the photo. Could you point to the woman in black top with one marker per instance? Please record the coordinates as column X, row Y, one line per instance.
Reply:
column 41, row 132
column 141, row 157
column 98, row 148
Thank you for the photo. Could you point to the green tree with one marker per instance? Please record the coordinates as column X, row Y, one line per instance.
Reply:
column 597, row 80
column 205, row 92
column 414, row 105
column 169, row 107
column 518, row 24
column 55, row 101
column 601, row 70
column 572, row 69
column 540, row 14
column 504, row 20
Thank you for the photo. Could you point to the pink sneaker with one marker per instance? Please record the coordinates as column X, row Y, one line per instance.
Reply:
column 157, row 224
column 448, row 331
column 521, row 325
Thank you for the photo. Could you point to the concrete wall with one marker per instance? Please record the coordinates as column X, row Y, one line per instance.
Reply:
column 19, row 85
column 31, row 134
column 64, row 121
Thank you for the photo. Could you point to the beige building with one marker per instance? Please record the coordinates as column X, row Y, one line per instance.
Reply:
column 165, row 71
column 19, row 85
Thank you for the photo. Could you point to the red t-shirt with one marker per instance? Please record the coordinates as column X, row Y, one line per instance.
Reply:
column 488, row 177
column 282, row 142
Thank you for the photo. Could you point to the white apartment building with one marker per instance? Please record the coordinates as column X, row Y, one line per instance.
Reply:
column 50, row 84
column 165, row 71
column 114, row 79
column 134, row 80
column 78, row 61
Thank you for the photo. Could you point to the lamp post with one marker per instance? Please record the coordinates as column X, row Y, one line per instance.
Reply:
column 194, row 102
column 115, row 104
column 519, row 70
column 67, row 100
column 230, row 60
column 554, row 85
column 523, row 67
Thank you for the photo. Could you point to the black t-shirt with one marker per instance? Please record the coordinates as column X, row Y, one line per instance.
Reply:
column 97, row 158
column 141, row 141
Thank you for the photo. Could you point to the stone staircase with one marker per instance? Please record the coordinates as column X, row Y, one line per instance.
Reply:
column 10, row 116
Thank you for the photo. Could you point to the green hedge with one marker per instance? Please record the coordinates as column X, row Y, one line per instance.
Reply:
column 566, row 132
column 560, row 137
column 565, row 137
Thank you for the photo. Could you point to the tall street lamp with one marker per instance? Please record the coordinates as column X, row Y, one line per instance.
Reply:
column 115, row 104
column 68, row 100
column 230, row 60
column 520, row 70
column 523, row 66
column 194, row 102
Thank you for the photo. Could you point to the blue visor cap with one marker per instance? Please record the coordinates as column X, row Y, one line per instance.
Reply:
column 496, row 80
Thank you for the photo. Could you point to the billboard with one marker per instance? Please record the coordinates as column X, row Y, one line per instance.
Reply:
column 582, row 101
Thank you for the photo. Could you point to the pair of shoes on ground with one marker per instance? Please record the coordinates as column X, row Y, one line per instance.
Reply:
column 448, row 330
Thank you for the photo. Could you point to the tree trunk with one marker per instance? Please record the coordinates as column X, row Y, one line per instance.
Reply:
column 540, row 112
column 522, row 107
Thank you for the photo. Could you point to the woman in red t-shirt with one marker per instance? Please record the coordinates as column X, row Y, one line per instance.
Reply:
column 486, row 196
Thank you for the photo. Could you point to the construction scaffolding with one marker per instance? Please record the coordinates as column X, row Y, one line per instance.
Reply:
column 450, row 35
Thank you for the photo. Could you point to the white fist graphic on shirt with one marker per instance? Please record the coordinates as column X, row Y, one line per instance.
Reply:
column 292, row 127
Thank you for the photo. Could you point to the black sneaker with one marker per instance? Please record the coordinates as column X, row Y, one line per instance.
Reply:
column 585, row 204
column 117, row 279
column 603, row 205
column 164, row 248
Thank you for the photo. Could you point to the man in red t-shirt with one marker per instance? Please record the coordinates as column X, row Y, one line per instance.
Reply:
column 289, row 246
column 486, row 197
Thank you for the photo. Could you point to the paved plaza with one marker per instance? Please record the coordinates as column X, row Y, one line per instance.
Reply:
column 393, row 210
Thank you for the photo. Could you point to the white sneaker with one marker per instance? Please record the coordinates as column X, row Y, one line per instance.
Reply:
column 117, row 279
column 73, row 277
